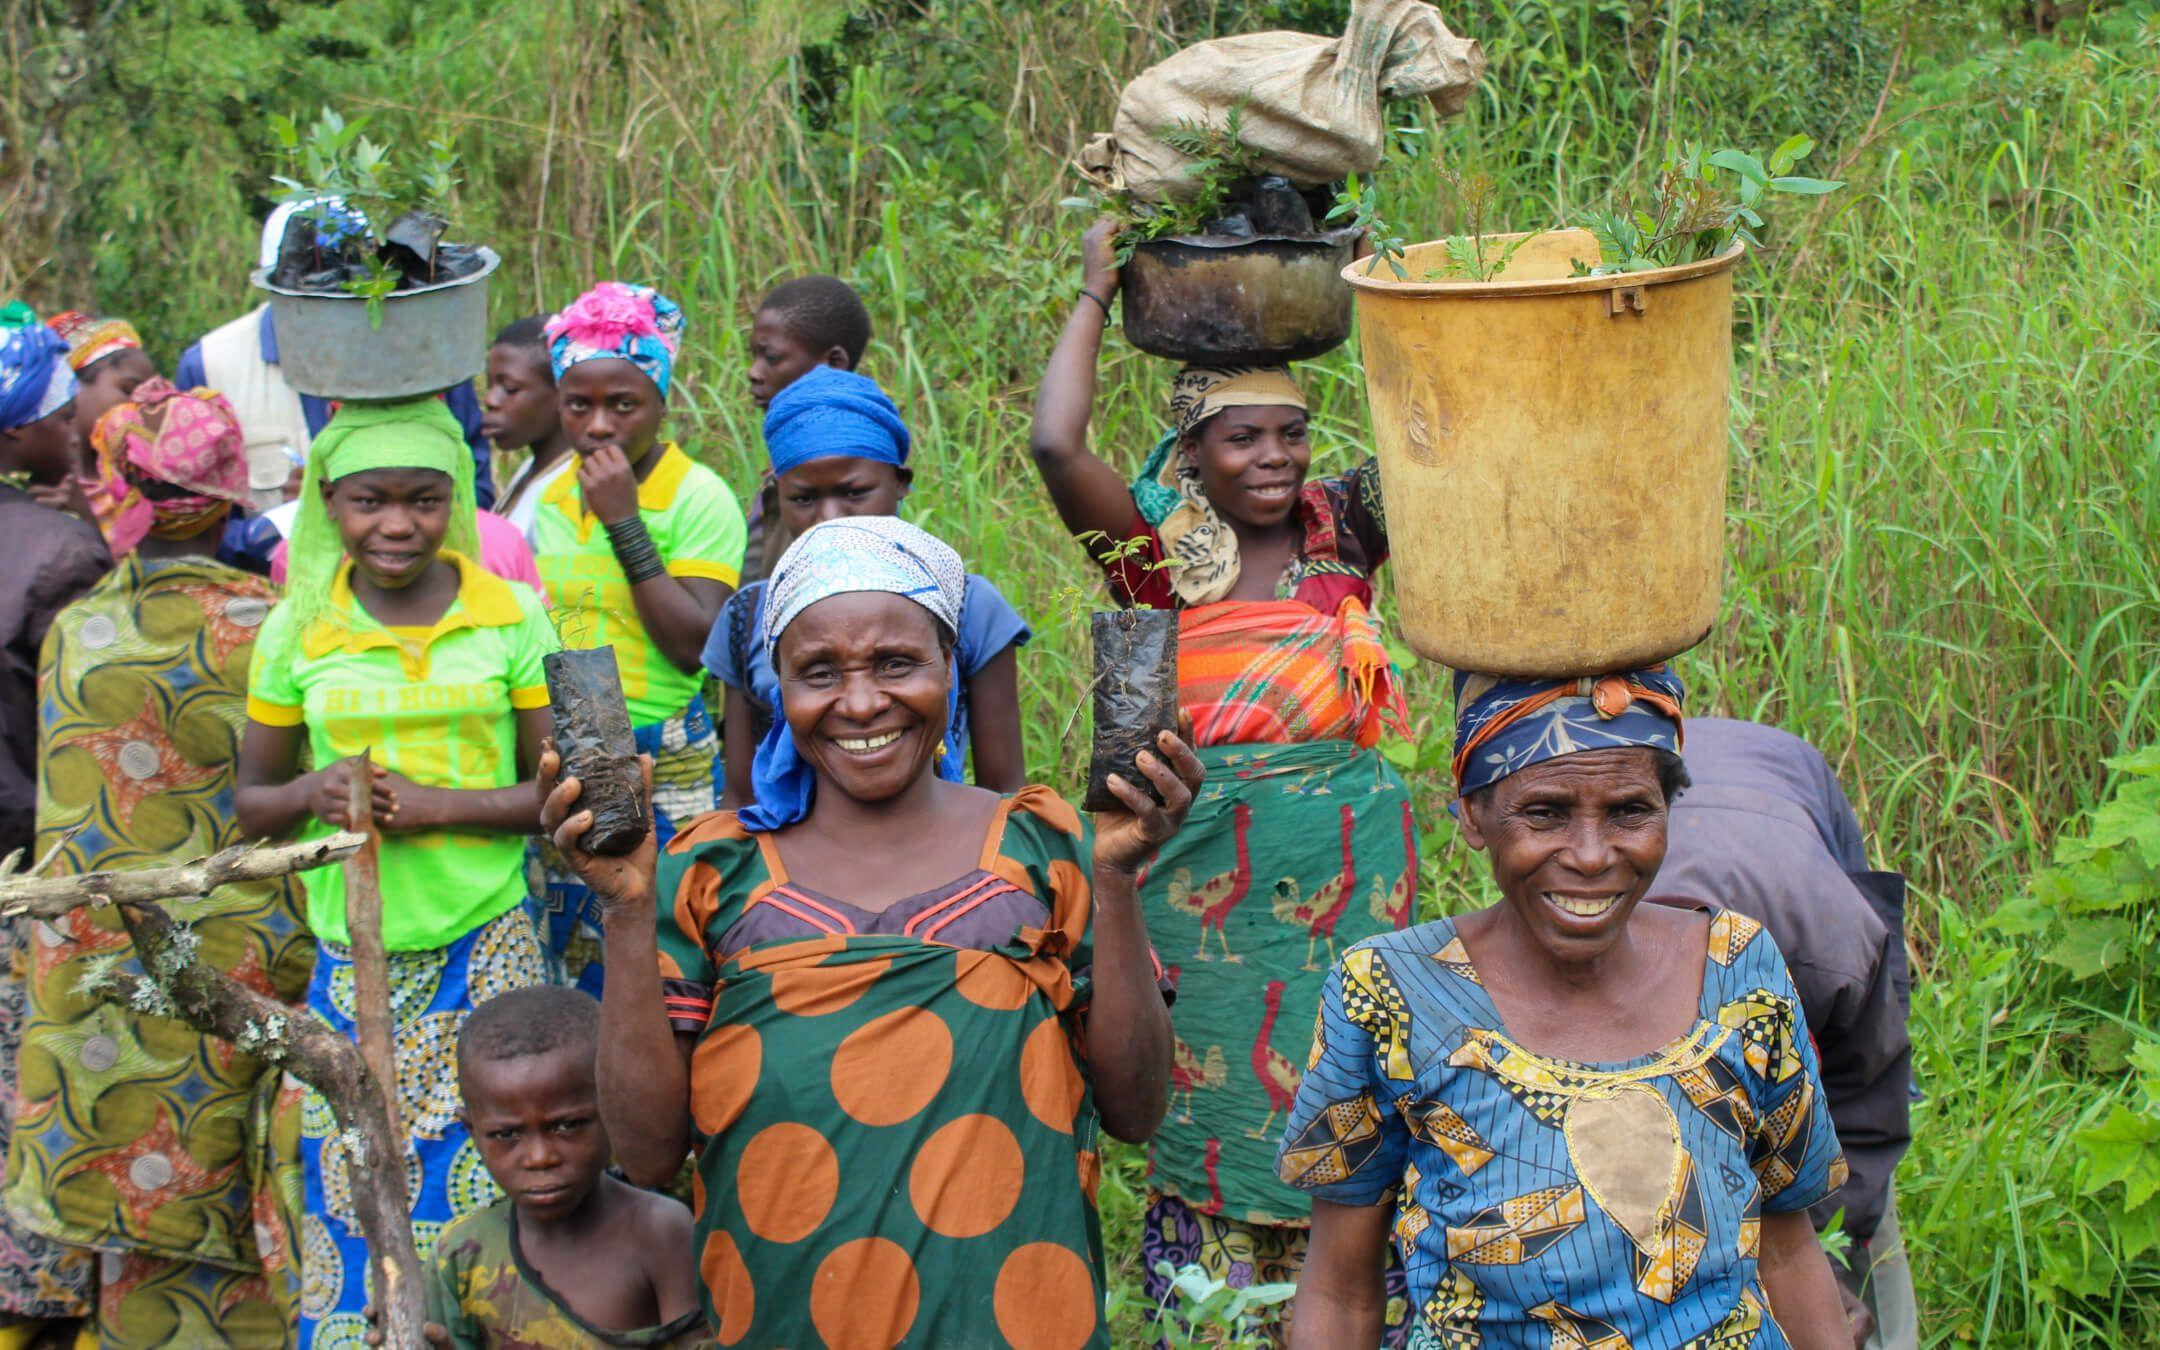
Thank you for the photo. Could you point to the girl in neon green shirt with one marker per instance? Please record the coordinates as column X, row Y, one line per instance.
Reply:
column 394, row 640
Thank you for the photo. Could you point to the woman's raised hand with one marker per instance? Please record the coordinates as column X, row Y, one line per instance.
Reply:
column 619, row 882
column 1125, row 840
column 1098, row 261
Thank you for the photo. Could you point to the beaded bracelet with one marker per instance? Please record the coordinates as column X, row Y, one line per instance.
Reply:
column 634, row 550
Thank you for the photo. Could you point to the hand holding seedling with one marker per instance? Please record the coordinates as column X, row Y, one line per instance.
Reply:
column 624, row 882
column 609, row 483
column 1126, row 839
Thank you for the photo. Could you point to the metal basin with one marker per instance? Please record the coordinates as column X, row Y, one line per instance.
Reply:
column 431, row 338
column 1255, row 301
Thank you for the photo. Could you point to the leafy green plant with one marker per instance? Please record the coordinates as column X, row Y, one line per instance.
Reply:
column 1199, row 1310
column 1220, row 162
column 1700, row 203
column 1357, row 207
column 2095, row 915
column 349, row 186
column 1467, row 254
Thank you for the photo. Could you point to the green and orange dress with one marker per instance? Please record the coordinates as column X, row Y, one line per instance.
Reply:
column 896, row 1139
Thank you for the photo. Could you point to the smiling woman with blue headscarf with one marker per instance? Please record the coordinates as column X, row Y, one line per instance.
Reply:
column 1582, row 1118
column 840, row 449
column 875, row 975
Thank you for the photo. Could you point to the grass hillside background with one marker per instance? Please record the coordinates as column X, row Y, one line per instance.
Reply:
column 1945, row 489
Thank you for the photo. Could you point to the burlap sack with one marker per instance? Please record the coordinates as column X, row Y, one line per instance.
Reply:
column 1314, row 106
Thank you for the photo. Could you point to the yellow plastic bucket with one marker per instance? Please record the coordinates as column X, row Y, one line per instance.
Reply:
column 1552, row 449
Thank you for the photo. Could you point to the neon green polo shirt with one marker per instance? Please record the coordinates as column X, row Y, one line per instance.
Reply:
column 698, row 527
column 434, row 704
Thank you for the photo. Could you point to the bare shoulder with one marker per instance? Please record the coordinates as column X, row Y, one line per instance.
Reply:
column 661, row 1218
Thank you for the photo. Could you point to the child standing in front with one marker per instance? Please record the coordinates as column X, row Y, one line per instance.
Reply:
column 570, row 1255
column 839, row 448
column 639, row 548
column 393, row 639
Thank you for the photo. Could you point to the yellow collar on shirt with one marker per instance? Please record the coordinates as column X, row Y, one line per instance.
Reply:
column 656, row 493
column 483, row 600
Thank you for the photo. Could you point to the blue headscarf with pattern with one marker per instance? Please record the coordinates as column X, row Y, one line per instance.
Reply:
column 618, row 321
column 35, row 379
column 830, row 412
column 1503, row 726
column 841, row 557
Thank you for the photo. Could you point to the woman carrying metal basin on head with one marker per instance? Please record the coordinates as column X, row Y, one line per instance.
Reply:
column 1301, row 842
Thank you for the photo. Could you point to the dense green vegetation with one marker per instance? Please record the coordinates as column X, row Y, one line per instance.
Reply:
column 1946, row 480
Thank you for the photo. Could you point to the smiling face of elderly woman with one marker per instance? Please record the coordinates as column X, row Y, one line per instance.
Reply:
column 864, row 679
column 1575, row 842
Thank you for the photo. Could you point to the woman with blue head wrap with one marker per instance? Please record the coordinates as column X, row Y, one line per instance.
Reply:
column 1620, row 1122
column 37, row 398
column 840, row 451
column 896, row 969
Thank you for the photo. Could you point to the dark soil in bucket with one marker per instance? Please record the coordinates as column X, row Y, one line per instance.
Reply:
column 326, row 258
column 592, row 733
column 1135, row 697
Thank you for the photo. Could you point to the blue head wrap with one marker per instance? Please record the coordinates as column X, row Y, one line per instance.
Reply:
column 1504, row 726
column 619, row 321
column 831, row 412
column 35, row 380
column 840, row 557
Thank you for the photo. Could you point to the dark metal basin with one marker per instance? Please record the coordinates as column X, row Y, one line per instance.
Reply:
column 1255, row 301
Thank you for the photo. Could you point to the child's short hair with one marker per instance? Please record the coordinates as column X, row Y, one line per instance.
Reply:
column 530, row 331
column 535, row 1021
column 821, row 313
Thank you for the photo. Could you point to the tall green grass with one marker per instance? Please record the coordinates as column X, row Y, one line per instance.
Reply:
column 1946, row 470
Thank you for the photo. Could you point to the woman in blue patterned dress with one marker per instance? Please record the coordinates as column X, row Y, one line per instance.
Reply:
column 1585, row 1120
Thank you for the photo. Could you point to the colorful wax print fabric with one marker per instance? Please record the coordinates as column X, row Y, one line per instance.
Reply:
column 896, row 1136
column 1290, row 854
column 39, row 1278
column 481, row 1291
column 1345, row 542
column 430, row 994
column 1539, row 1199
column 1279, row 671
column 136, row 1133
column 1241, row 1255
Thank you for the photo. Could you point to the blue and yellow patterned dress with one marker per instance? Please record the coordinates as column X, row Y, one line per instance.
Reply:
column 1542, row 1201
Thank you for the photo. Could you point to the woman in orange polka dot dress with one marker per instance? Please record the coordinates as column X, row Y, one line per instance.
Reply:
column 890, row 1013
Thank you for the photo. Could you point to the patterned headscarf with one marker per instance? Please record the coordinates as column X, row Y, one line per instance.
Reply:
column 841, row 557
column 1200, row 545
column 419, row 433
column 175, row 463
column 35, row 381
column 830, row 412
column 91, row 340
column 1504, row 726
column 621, row 321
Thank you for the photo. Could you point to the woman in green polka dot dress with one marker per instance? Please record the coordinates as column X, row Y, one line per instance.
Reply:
column 889, row 1013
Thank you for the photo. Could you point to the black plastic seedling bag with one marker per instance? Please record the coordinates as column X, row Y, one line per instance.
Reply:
column 592, row 733
column 1135, row 697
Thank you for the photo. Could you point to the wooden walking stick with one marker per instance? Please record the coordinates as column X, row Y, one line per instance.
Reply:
column 400, row 1298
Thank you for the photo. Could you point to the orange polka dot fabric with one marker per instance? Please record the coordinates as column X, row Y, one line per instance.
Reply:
column 896, row 1137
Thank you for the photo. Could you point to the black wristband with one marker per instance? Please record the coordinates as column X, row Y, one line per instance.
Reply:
column 1098, row 300
column 634, row 550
